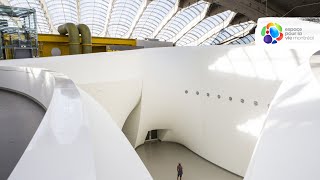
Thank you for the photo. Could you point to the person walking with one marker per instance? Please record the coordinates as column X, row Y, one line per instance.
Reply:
column 180, row 171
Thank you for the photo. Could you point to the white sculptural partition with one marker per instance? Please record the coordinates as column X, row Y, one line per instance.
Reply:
column 288, row 147
column 213, row 100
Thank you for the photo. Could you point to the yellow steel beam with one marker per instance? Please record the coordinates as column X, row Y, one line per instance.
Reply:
column 52, row 38
column 113, row 41
column 96, row 41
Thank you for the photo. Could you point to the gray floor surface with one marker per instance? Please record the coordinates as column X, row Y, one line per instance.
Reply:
column 19, row 119
column 161, row 159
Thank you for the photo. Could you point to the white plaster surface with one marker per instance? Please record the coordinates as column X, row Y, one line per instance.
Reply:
column 288, row 147
column 222, row 131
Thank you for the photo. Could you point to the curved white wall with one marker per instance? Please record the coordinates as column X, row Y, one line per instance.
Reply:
column 288, row 147
column 128, row 94
column 113, row 154
column 222, row 131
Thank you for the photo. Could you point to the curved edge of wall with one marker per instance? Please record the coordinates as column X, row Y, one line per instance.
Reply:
column 288, row 146
column 116, row 159
column 74, row 140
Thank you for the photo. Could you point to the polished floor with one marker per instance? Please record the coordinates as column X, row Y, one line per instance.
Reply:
column 19, row 120
column 161, row 159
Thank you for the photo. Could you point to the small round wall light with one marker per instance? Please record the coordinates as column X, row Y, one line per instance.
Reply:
column 230, row 98
column 197, row 93
column 186, row 91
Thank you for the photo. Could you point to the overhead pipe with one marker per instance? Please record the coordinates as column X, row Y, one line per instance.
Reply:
column 73, row 35
column 86, row 38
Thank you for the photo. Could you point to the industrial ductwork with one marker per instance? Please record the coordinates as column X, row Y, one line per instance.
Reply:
column 73, row 34
column 86, row 38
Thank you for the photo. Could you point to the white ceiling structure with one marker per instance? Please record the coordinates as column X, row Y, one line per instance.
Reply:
column 141, row 19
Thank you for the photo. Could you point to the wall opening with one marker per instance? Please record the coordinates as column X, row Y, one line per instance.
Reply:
column 156, row 135
column 152, row 136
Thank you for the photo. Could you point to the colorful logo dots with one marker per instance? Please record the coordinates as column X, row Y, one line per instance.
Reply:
column 272, row 33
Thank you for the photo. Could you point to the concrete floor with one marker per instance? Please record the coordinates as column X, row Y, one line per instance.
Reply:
column 161, row 159
column 19, row 120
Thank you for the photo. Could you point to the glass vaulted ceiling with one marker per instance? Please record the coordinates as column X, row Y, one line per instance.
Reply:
column 206, row 28
column 94, row 14
column 154, row 17
column 183, row 21
column 124, row 16
column 230, row 33
column 62, row 11
column 248, row 39
column 142, row 19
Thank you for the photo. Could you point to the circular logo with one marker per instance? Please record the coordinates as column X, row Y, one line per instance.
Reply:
column 272, row 33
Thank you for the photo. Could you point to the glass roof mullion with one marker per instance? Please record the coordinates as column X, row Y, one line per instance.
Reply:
column 153, row 16
column 207, row 28
column 183, row 20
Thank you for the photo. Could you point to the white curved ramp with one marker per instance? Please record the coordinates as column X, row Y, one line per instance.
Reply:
column 213, row 99
column 60, row 146
column 70, row 140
